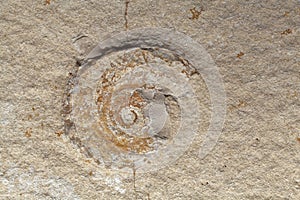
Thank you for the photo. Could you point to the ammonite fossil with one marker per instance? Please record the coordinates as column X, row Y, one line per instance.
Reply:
column 131, row 104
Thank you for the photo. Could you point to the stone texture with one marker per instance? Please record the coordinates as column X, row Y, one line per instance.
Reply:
column 256, row 46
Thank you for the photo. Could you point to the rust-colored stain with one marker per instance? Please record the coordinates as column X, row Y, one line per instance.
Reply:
column 144, row 53
column 47, row 2
column 118, row 137
column 136, row 100
column 239, row 55
column 286, row 32
column 298, row 139
column 241, row 104
column 189, row 70
column 30, row 117
column 195, row 13
column 28, row 132
column 286, row 14
column 59, row 133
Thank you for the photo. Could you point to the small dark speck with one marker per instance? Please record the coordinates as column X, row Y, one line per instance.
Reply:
column 239, row 55
column 161, row 137
column 286, row 32
column 195, row 13
column 79, row 62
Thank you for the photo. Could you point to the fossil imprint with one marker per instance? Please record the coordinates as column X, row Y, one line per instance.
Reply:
column 131, row 104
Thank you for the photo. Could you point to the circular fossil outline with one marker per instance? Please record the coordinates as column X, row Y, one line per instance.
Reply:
column 190, row 50
column 183, row 46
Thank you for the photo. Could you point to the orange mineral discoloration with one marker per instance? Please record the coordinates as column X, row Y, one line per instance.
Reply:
column 59, row 133
column 118, row 137
column 136, row 100
column 47, row 2
column 28, row 132
column 189, row 71
column 286, row 14
column 240, row 55
column 240, row 104
column 133, row 144
column 195, row 13
column 286, row 32
column 135, row 116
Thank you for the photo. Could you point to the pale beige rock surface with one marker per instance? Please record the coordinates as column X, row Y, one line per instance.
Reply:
column 256, row 46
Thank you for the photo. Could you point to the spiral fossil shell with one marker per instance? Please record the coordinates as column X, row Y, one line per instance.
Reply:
column 132, row 105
